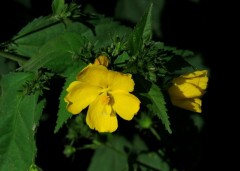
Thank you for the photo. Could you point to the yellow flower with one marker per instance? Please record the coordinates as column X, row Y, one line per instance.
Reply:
column 107, row 93
column 187, row 90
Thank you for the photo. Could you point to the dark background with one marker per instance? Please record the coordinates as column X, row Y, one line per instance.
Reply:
column 203, row 27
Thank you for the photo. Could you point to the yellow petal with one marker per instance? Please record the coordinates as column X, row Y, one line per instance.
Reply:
column 80, row 96
column 125, row 104
column 102, row 60
column 202, row 73
column 184, row 90
column 193, row 104
column 94, row 75
column 73, row 85
column 100, row 116
column 84, row 71
column 119, row 81
column 198, row 81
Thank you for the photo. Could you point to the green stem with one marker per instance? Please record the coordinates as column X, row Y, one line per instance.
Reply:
column 19, row 59
column 154, row 132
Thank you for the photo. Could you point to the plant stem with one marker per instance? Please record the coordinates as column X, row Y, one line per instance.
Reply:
column 154, row 132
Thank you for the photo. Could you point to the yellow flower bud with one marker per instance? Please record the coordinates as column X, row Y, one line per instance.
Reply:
column 102, row 60
column 187, row 90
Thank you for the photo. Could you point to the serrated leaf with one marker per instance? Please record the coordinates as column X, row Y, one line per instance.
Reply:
column 58, row 6
column 19, row 117
column 142, row 33
column 158, row 105
column 40, row 31
column 110, row 156
column 34, row 35
column 57, row 53
column 139, row 7
column 63, row 114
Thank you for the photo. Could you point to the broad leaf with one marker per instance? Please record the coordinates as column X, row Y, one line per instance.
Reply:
column 57, row 54
column 19, row 117
column 34, row 35
column 6, row 66
column 152, row 161
column 40, row 31
column 110, row 156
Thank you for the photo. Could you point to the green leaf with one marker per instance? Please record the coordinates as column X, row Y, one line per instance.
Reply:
column 139, row 7
column 138, row 144
column 158, row 105
column 6, row 66
column 106, row 29
column 121, row 59
column 63, row 114
column 19, row 117
column 152, row 160
column 58, row 6
column 57, row 54
column 110, row 156
column 34, row 35
column 198, row 121
column 40, row 31
column 142, row 33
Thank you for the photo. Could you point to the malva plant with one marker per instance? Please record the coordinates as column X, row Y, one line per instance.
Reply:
column 106, row 92
column 123, row 95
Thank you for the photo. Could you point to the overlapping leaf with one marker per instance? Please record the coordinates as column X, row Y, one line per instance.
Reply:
column 63, row 114
column 158, row 106
column 19, row 116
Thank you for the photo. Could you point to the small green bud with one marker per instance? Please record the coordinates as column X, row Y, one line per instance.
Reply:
column 69, row 150
column 34, row 167
column 145, row 122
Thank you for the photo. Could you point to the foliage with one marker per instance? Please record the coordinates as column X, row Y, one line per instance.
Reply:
column 62, row 44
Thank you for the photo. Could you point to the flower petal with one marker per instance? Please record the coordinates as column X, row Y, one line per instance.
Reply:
column 202, row 73
column 184, row 90
column 94, row 75
column 200, row 82
column 73, row 85
column 80, row 96
column 119, row 81
column 101, row 116
column 193, row 104
column 125, row 104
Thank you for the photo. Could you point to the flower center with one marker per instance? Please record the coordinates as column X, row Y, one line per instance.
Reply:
column 105, row 99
